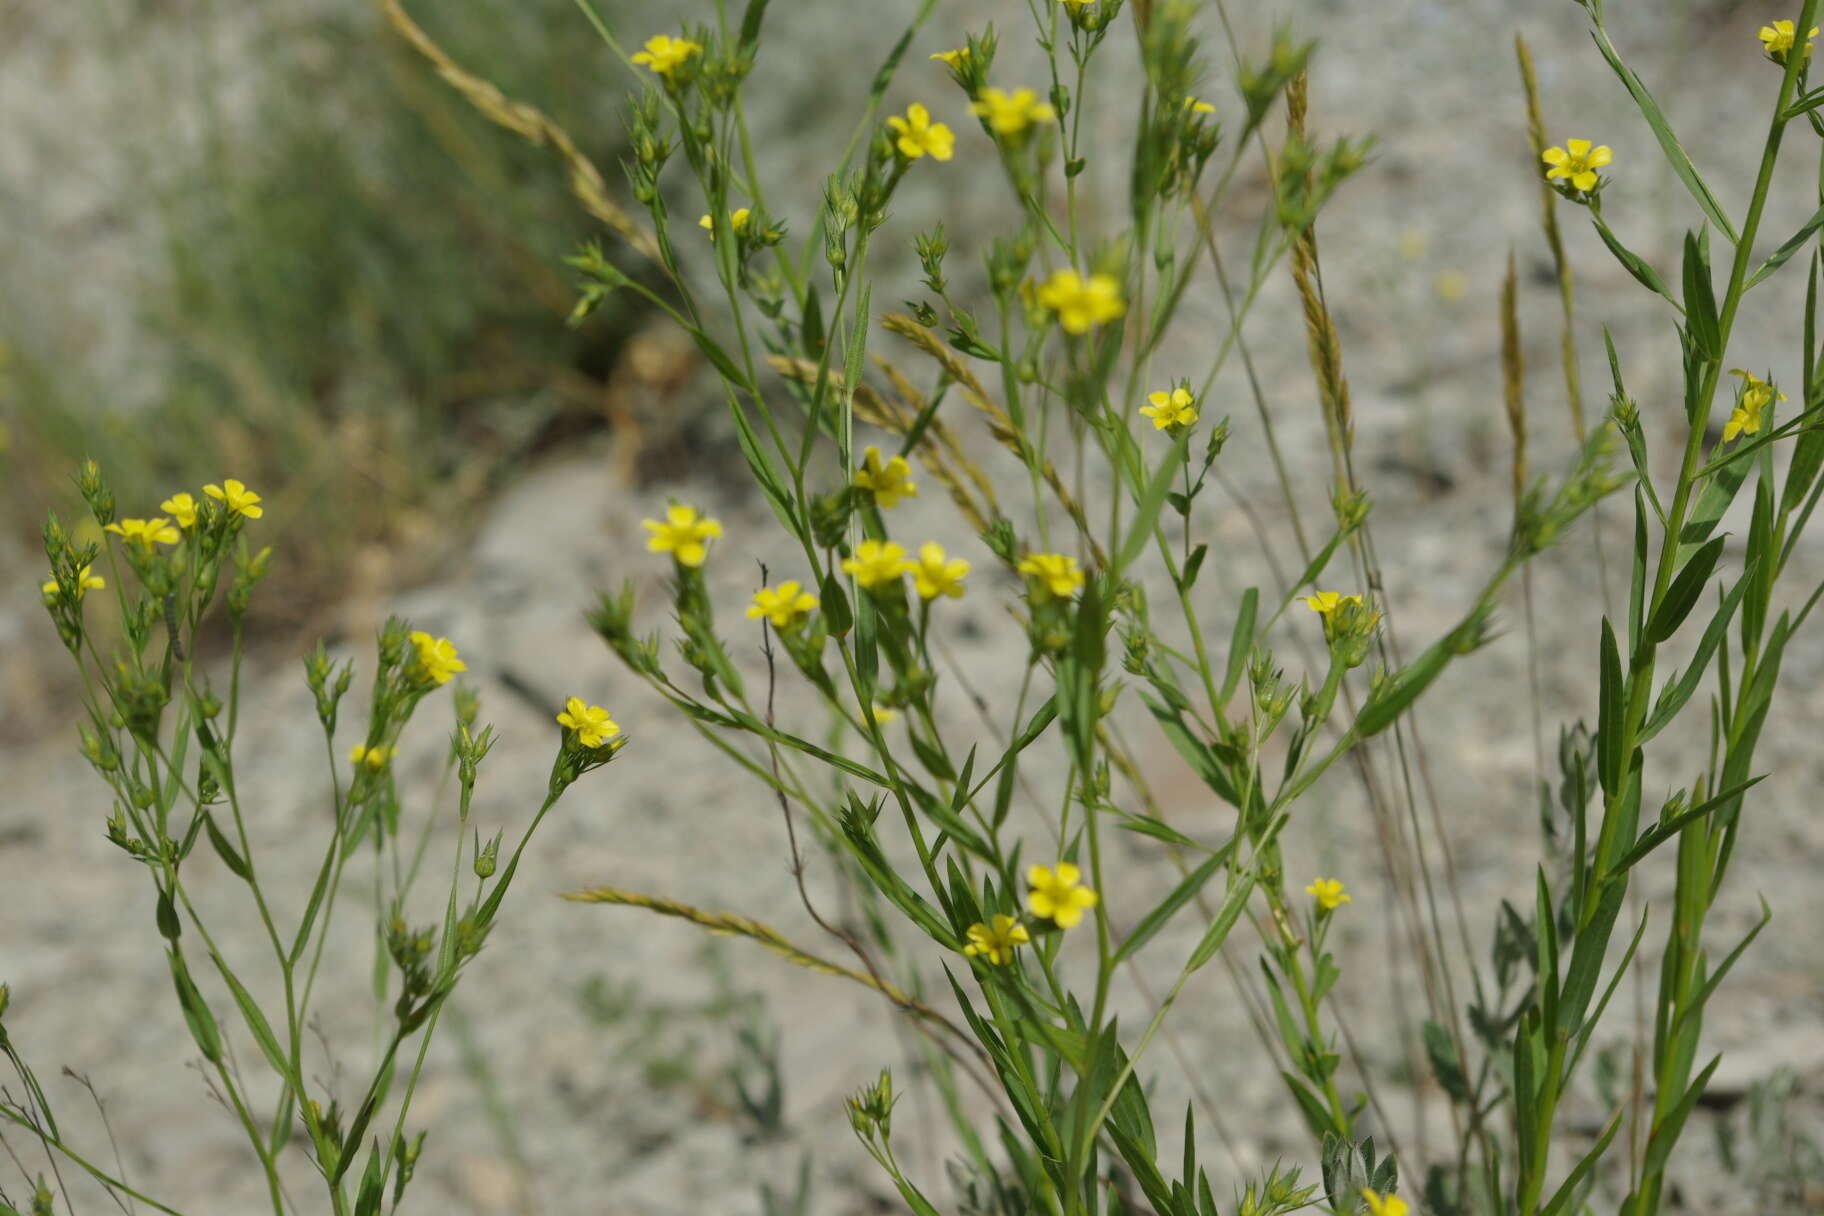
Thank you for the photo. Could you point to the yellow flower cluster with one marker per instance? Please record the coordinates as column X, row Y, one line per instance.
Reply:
column 437, row 660
column 787, row 606
column 1058, row 894
column 234, row 496
column 1082, row 303
column 86, row 581
column 919, row 136
column 1329, row 893
column 1010, row 114
column 665, row 54
column 1757, row 395
column 1777, row 39
column 888, row 482
column 996, row 942
column 372, row 758
column 591, row 723
column 1577, row 162
column 1169, row 409
column 683, row 533
column 737, row 219
column 1057, row 574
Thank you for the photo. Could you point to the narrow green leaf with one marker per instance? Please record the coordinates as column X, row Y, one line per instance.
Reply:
column 1241, row 643
column 1684, row 592
column 1183, row 893
column 225, row 850
column 1659, row 1144
column 1784, row 253
column 1676, row 155
column 1700, row 299
column 202, row 1024
column 1612, row 715
column 1152, row 498
column 256, row 1022
column 1633, row 263
column 1226, row 916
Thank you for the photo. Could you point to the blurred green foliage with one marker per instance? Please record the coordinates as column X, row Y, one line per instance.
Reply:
column 358, row 301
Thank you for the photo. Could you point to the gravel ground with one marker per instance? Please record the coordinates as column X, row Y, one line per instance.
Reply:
column 608, row 1037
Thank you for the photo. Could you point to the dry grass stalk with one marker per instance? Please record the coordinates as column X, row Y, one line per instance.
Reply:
column 529, row 123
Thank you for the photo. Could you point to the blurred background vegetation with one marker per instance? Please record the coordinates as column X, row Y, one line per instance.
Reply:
column 326, row 275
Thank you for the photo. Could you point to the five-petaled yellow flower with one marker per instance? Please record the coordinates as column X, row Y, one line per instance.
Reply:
column 737, row 219
column 1176, row 408
column 437, row 660
column 996, row 943
column 1325, row 603
column 1081, row 303
column 374, row 758
column 591, row 723
column 1011, row 113
column 1384, row 1205
column 1757, row 395
column 934, row 574
column 182, row 508
column 1778, row 38
column 664, row 54
column 236, row 497
column 86, row 581
column 1057, row 573
column 1058, row 895
column 147, row 532
column 1578, row 162
column 1329, row 893
column 919, row 136
column 955, row 59
column 876, row 564
column 787, row 605
column 682, row 534
column 889, row 482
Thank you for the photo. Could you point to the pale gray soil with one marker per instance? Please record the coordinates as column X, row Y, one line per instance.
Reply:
column 634, row 1112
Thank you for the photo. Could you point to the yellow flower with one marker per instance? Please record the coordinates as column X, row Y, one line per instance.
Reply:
column 1325, row 603
column 1057, row 573
column 437, row 660
column 1778, row 38
column 955, row 59
column 1578, row 161
column 663, row 53
column 147, row 532
column 884, row 714
column 1757, row 395
column 682, row 534
column 737, row 219
column 86, row 581
column 1329, row 893
column 918, row 135
column 1011, row 113
column 1198, row 107
column 1081, row 303
column 876, row 564
column 591, row 723
column 374, row 758
column 888, row 483
column 182, row 507
column 996, row 943
column 934, row 575
column 1176, row 408
column 1384, row 1205
column 786, row 605
column 1059, row 895
column 237, row 497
